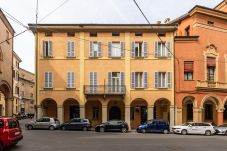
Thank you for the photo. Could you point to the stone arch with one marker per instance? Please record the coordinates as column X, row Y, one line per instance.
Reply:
column 162, row 109
column 6, row 89
column 112, row 104
column 49, row 107
column 138, row 112
column 210, row 105
column 71, row 109
column 214, row 98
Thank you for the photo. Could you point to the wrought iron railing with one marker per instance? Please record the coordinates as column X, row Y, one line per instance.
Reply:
column 104, row 89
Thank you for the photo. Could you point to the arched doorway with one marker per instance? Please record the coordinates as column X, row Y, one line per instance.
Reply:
column 187, row 109
column 93, row 112
column 116, row 110
column 6, row 105
column 209, row 113
column 162, row 109
column 71, row 109
column 49, row 107
column 138, row 112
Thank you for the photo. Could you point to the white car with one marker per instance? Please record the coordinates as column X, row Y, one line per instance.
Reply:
column 194, row 128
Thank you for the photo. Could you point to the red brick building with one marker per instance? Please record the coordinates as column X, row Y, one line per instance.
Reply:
column 201, row 65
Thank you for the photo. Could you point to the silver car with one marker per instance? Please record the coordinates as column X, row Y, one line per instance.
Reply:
column 221, row 130
column 43, row 123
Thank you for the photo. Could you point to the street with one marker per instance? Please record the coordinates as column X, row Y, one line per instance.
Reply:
column 46, row 140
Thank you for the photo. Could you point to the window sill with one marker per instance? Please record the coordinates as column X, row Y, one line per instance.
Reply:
column 94, row 57
column 139, row 57
column 51, row 88
column 189, row 80
column 68, row 57
column 139, row 88
column 68, row 88
column 115, row 57
column 162, row 57
column 162, row 88
column 49, row 57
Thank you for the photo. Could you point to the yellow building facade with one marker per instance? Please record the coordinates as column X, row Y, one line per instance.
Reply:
column 105, row 71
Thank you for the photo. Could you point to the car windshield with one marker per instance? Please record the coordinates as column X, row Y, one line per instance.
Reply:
column 185, row 124
column 148, row 122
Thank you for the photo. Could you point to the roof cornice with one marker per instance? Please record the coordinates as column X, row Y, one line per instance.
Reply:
column 6, row 22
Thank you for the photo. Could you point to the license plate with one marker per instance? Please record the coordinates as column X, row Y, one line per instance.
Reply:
column 17, row 133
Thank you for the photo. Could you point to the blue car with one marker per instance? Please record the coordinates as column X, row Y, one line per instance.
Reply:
column 154, row 126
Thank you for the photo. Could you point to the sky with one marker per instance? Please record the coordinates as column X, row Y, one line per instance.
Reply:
column 88, row 11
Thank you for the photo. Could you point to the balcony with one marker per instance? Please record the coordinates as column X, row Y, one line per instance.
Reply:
column 211, row 85
column 104, row 90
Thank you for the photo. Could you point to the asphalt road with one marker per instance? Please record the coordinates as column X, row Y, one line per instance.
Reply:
column 45, row 140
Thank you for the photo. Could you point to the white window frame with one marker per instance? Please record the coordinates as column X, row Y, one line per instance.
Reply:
column 140, row 52
column 139, row 77
column 114, row 49
column 95, row 50
column 162, row 78
column 71, row 49
column 47, row 48
column 48, row 83
column 162, row 49
column 70, row 80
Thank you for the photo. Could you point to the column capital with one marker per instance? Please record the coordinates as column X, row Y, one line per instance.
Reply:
column 127, row 106
column 150, row 106
column 197, row 109
column 220, row 110
column 104, row 106
column 59, row 106
column 172, row 106
column 82, row 106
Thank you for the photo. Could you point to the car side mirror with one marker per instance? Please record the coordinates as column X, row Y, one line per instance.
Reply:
column 189, row 125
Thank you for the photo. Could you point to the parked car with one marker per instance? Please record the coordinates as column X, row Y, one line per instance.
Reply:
column 194, row 128
column 221, row 130
column 155, row 126
column 112, row 125
column 10, row 132
column 43, row 123
column 76, row 124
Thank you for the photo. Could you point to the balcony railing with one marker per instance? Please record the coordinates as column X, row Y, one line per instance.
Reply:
column 211, row 85
column 104, row 90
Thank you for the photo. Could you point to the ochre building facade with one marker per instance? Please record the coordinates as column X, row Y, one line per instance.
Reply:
column 6, row 63
column 103, row 72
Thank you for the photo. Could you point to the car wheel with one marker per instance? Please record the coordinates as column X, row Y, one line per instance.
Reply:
column 143, row 131
column 124, row 130
column 208, row 133
column 1, row 147
column 85, row 129
column 63, row 128
column 225, row 133
column 165, row 132
column 184, row 132
column 52, row 128
column 102, row 129
column 29, row 127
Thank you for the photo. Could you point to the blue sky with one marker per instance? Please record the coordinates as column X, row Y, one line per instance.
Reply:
column 89, row 11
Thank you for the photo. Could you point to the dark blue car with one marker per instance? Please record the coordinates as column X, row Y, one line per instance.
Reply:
column 154, row 126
